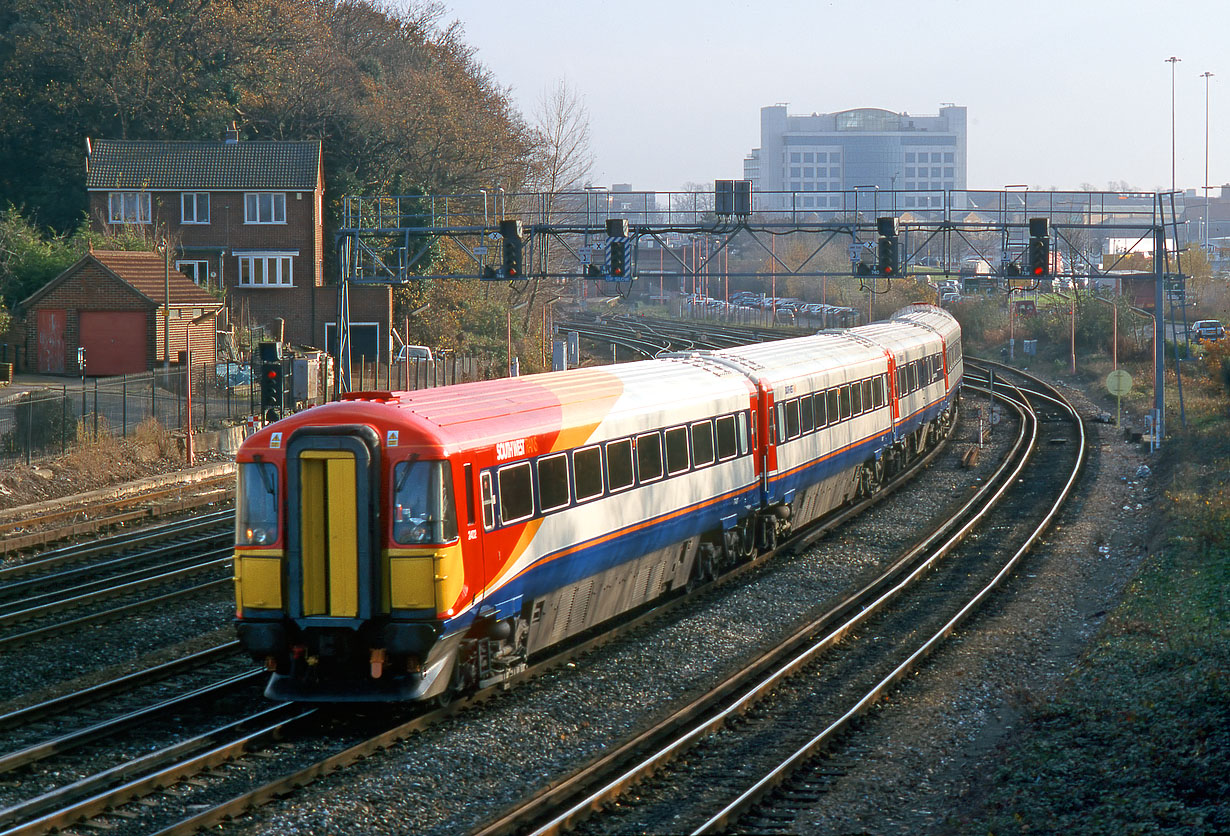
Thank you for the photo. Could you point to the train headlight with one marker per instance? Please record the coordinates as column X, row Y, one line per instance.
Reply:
column 257, row 536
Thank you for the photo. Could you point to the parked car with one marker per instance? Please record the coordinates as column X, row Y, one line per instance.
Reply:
column 1206, row 330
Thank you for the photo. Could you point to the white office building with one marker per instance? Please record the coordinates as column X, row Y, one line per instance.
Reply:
column 803, row 161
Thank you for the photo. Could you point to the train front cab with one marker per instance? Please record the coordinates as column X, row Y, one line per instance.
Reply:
column 319, row 599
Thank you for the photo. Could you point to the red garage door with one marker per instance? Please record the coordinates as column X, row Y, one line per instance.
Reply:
column 115, row 341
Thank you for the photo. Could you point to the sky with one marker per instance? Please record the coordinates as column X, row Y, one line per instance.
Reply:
column 1058, row 94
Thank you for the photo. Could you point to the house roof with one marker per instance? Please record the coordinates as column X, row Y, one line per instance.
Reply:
column 152, row 165
column 144, row 272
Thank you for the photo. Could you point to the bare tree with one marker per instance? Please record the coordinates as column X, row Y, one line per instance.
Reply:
column 561, row 122
column 563, row 164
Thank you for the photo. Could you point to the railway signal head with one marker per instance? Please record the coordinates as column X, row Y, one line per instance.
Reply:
column 619, row 257
column 272, row 389
column 888, row 258
column 514, row 248
column 1039, row 247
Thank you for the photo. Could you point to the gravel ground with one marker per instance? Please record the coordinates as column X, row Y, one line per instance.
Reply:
column 450, row 778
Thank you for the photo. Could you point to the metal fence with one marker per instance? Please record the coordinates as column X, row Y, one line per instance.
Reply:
column 50, row 419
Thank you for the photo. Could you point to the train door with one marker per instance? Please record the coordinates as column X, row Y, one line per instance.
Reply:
column 332, row 482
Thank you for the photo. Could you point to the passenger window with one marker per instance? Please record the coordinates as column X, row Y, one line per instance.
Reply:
column 781, row 423
column 901, row 381
column 818, row 406
column 587, row 471
column 792, row 419
column 743, row 446
column 727, row 446
column 844, row 400
column 911, row 376
column 649, row 456
column 553, row 482
column 488, row 501
column 702, row 443
column 676, row 450
column 516, row 492
column 856, row 398
column 867, row 394
column 619, row 464
column 807, row 417
column 832, row 410
column 877, row 391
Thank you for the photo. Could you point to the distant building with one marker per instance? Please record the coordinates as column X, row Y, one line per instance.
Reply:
column 861, row 148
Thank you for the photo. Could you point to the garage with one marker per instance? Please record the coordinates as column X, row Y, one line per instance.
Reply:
column 115, row 342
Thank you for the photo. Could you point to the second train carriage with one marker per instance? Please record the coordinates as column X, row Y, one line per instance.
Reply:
column 399, row 546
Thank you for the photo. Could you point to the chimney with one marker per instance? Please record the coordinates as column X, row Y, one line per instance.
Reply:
column 232, row 134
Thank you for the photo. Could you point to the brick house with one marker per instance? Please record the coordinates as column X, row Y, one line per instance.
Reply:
column 245, row 217
column 111, row 304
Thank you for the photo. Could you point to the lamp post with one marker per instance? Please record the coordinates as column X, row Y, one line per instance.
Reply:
column 1206, row 76
column 166, row 304
column 1172, row 61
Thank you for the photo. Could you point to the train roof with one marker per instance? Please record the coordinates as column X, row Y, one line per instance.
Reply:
column 579, row 404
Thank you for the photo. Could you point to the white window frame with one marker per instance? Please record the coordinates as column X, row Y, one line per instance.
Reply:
column 199, row 270
column 279, row 265
column 129, row 207
column 264, row 207
column 193, row 201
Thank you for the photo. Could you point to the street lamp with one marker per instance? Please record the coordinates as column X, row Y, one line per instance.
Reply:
column 166, row 304
column 1206, row 76
column 1172, row 61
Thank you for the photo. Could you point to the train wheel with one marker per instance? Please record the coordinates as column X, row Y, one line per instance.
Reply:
column 768, row 533
column 747, row 539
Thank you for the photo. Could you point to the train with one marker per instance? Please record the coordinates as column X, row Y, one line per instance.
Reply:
column 407, row 546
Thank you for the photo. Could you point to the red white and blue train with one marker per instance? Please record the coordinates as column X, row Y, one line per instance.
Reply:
column 410, row 545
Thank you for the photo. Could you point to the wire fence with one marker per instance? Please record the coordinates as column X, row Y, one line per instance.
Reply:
column 50, row 419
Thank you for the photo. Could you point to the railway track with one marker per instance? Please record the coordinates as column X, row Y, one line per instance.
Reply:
column 109, row 579
column 322, row 746
column 744, row 756
column 56, row 521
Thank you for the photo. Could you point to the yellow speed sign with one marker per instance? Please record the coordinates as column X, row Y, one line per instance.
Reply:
column 1118, row 383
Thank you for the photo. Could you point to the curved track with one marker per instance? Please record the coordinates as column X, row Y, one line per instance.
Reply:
column 748, row 737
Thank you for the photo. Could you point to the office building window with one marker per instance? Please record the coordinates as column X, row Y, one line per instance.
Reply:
column 948, row 157
column 796, row 157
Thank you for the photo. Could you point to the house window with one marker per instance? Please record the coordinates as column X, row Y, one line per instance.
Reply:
column 264, row 208
column 266, row 270
column 195, row 207
column 129, row 207
column 198, row 271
